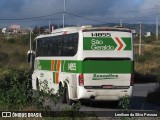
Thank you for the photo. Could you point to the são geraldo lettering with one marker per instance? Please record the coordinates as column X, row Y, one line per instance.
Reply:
column 99, row 45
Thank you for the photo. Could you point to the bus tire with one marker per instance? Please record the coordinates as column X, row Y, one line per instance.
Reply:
column 68, row 101
column 62, row 94
column 37, row 84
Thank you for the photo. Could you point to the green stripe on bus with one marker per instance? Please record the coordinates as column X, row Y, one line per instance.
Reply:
column 55, row 65
column 90, row 66
column 124, row 66
column 72, row 66
column 62, row 64
column 45, row 64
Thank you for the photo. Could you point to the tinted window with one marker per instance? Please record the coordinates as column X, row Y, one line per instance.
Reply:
column 65, row 45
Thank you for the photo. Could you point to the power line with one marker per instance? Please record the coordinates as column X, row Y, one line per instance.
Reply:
column 86, row 18
column 40, row 18
column 30, row 17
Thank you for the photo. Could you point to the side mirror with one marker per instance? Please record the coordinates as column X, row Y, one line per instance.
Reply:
column 31, row 57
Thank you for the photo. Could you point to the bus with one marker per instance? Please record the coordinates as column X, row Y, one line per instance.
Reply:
column 84, row 63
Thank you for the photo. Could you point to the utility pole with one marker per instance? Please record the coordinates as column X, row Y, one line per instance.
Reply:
column 156, row 7
column 157, row 27
column 140, row 38
column 64, row 11
column 39, row 30
column 49, row 27
column 121, row 22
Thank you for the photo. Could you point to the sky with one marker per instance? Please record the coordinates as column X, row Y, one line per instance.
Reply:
column 40, row 12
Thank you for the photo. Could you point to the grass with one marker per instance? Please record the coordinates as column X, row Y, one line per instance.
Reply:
column 149, row 61
column 147, row 67
column 15, row 51
column 147, row 64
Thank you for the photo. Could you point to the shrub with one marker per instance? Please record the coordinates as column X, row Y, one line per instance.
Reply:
column 124, row 104
column 149, row 39
column 11, row 40
column 24, row 39
column 144, row 57
column 14, row 88
column 140, row 59
column 3, row 56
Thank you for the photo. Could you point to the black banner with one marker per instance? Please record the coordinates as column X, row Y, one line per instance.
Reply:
column 32, row 114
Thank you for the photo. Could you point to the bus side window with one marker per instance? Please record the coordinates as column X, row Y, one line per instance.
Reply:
column 64, row 46
column 43, row 47
column 34, row 45
column 39, row 47
column 70, row 44
column 75, row 43
column 48, row 47
column 54, row 45
column 59, row 39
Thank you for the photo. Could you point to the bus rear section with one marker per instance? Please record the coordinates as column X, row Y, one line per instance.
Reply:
column 107, row 65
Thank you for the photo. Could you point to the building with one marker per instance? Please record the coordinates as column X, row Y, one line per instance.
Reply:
column 15, row 28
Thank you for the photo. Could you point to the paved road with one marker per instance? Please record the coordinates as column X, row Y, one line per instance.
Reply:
column 138, row 101
column 139, row 97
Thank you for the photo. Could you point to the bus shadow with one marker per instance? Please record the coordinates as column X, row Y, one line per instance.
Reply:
column 145, row 78
column 141, row 103
column 137, row 103
column 101, row 104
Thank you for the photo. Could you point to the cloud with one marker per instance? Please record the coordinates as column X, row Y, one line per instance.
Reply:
column 102, row 10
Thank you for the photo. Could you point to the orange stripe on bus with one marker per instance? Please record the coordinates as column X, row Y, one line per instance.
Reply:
column 57, row 76
column 52, row 66
column 58, row 65
column 57, row 73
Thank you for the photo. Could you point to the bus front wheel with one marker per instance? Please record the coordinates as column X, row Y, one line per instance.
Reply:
column 37, row 85
column 62, row 94
column 68, row 101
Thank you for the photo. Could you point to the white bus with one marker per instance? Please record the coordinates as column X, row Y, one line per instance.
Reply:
column 93, row 63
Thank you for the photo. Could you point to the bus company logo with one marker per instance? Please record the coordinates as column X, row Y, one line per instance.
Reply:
column 99, row 45
column 72, row 66
column 104, row 76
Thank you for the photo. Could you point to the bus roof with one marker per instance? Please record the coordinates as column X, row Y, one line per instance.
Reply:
column 85, row 29
column 90, row 28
